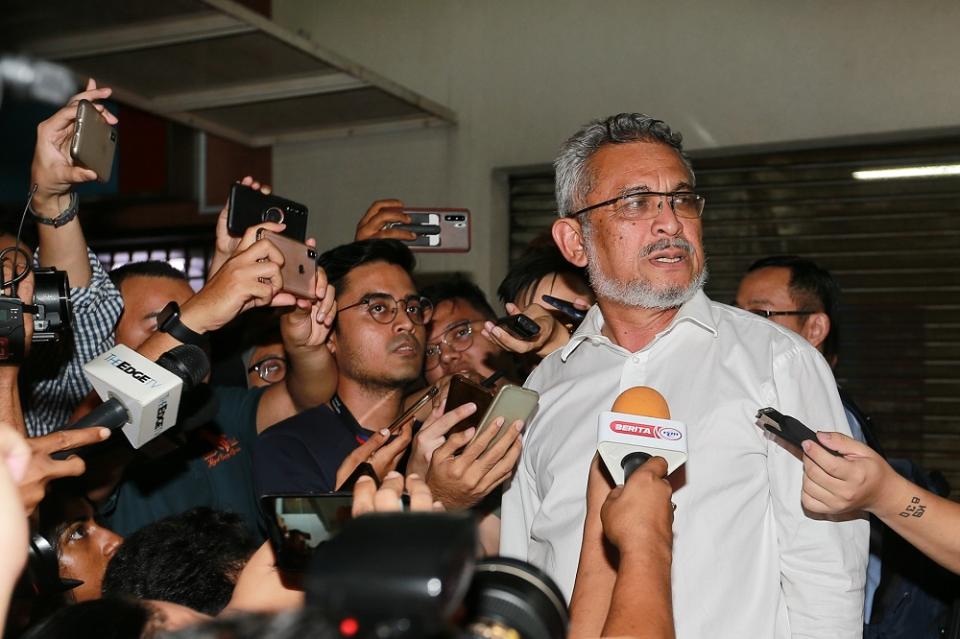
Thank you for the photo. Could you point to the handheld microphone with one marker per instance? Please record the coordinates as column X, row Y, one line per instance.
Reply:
column 140, row 396
column 638, row 428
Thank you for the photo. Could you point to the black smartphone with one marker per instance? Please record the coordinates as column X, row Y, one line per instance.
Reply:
column 463, row 391
column 789, row 428
column 247, row 207
column 520, row 326
column 565, row 307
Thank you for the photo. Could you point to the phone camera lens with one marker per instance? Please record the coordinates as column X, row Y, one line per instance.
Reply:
column 113, row 136
column 312, row 254
column 273, row 214
column 454, row 218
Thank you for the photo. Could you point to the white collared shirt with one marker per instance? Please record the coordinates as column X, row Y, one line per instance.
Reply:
column 747, row 562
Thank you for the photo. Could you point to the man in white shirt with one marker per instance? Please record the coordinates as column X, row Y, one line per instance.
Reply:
column 747, row 561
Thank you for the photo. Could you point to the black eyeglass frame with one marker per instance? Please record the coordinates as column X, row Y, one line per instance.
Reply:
column 257, row 367
column 669, row 197
column 425, row 304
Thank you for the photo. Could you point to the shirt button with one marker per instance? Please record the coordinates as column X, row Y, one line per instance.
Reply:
column 636, row 359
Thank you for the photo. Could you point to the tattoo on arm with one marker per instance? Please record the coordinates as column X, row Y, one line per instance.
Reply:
column 914, row 508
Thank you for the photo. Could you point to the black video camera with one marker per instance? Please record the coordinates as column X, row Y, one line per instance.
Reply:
column 50, row 307
column 399, row 575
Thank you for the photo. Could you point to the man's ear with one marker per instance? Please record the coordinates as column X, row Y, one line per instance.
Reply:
column 331, row 342
column 816, row 329
column 568, row 235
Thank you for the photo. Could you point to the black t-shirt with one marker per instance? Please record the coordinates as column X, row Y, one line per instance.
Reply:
column 301, row 454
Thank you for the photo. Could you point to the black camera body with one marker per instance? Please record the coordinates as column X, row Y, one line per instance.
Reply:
column 51, row 310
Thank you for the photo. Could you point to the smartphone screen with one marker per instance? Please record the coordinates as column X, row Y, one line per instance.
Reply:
column 298, row 524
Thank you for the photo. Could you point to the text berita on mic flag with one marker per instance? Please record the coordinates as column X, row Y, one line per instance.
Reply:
column 640, row 422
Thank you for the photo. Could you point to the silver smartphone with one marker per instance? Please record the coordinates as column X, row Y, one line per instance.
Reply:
column 512, row 403
column 94, row 141
column 438, row 230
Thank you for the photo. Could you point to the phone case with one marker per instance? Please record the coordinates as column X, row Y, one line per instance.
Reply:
column 463, row 391
column 455, row 233
column 520, row 326
column 94, row 141
column 299, row 270
column 789, row 428
column 511, row 403
column 247, row 207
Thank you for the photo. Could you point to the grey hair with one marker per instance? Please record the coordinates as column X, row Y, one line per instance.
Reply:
column 573, row 179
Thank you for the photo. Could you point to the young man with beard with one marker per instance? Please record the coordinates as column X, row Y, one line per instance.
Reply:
column 377, row 343
column 747, row 561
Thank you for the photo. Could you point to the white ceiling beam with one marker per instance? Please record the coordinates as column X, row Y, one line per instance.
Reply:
column 146, row 35
column 258, row 91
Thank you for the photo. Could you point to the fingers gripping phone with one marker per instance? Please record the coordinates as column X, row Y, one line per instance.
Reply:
column 299, row 270
column 438, row 230
column 94, row 142
column 520, row 326
column 248, row 207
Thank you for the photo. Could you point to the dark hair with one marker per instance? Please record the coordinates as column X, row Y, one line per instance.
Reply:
column 192, row 559
column 531, row 267
column 150, row 268
column 811, row 287
column 107, row 618
column 339, row 261
column 459, row 288
column 303, row 623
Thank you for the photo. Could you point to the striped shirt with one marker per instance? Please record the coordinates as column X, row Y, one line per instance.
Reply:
column 53, row 376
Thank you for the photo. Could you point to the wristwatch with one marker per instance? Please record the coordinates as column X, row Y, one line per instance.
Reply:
column 168, row 321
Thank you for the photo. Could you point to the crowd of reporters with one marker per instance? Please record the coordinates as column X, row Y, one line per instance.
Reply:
column 303, row 399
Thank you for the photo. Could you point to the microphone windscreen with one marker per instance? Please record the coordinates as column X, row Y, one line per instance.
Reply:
column 188, row 362
column 642, row 400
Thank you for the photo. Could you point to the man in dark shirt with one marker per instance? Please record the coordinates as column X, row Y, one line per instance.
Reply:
column 377, row 342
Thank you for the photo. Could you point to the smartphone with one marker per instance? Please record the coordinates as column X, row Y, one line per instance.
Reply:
column 247, row 207
column 438, row 230
column 520, row 326
column 565, row 307
column 789, row 428
column 94, row 141
column 297, row 524
column 299, row 270
column 398, row 423
column 463, row 391
column 511, row 403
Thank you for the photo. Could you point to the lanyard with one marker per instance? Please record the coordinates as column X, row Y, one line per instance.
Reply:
column 337, row 405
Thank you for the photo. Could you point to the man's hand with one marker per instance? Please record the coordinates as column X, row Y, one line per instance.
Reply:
column 835, row 485
column 553, row 334
column 251, row 278
column 226, row 244
column 432, row 435
column 380, row 451
column 639, row 515
column 43, row 468
column 371, row 225
column 367, row 498
column 461, row 481
column 53, row 170
column 307, row 326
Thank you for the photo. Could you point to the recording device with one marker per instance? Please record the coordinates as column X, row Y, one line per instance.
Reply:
column 512, row 403
column 637, row 428
column 298, row 524
column 41, row 576
column 248, row 207
column 438, row 230
column 565, row 307
column 424, row 578
column 463, row 391
column 141, row 397
column 50, row 307
column 520, row 326
column 94, row 142
column 299, row 270
column 36, row 79
column 789, row 428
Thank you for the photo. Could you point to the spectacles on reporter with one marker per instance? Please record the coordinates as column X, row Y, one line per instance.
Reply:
column 383, row 308
column 271, row 369
column 458, row 337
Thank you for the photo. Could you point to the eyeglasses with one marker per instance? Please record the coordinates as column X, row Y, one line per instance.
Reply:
column 458, row 337
column 271, row 369
column 769, row 314
column 383, row 308
column 646, row 205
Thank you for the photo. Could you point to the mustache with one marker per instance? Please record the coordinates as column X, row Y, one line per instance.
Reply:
column 667, row 243
column 405, row 340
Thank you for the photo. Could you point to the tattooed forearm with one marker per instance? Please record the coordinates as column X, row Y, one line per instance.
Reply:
column 914, row 508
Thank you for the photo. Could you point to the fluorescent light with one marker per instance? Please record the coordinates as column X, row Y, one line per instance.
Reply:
column 937, row 170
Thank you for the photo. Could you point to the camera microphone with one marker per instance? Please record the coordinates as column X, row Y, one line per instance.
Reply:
column 141, row 397
column 637, row 428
